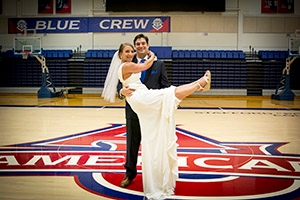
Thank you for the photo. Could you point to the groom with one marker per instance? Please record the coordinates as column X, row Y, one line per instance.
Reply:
column 155, row 78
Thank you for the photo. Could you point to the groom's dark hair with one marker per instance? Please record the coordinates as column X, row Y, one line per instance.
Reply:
column 140, row 36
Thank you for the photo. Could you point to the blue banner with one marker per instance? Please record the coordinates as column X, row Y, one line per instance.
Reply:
column 130, row 24
column 48, row 25
column 89, row 24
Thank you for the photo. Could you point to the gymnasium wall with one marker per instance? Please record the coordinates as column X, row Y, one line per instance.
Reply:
column 239, row 27
column 242, row 26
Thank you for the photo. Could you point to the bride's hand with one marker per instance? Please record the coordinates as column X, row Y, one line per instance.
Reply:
column 151, row 55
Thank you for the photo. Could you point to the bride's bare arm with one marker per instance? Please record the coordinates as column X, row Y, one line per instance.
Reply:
column 131, row 67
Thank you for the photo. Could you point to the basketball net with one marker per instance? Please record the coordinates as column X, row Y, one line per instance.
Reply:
column 25, row 54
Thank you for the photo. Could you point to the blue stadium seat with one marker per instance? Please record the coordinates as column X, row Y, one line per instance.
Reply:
column 181, row 53
column 88, row 54
column 99, row 54
column 223, row 55
column 276, row 55
column 187, row 54
column 270, row 55
column 111, row 53
column 205, row 54
column 162, row 51
column 199, row 54
column 193, row 54
column 49, row 54
column 167, row 52
column 94, row 54
column 54, row 53
column 283, row 54
column 105, row 53
column 217, row 54
column 60, row 54
column 241, row 55
column 235, row 55
column 229, row 54
column 211, row 54
column 175, row 54
column 264, row 55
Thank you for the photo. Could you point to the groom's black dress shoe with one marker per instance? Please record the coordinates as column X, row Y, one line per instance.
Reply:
column 125, row 182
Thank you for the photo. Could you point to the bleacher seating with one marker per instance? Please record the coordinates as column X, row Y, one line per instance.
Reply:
column 100, row 53
column 226, row 73
column 273, row 54
column 193, row 54
column 272, row 73
column 187, row 54
column 162, row 52
column 229, row 67
column 208, row 54
column 181, row 54
column 62, row 53
column 175, row 54
column 27, row 72
column 94, row 72
column 199, row 54
column 205, row 54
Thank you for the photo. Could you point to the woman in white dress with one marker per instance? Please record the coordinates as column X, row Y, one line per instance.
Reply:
column 155, row 109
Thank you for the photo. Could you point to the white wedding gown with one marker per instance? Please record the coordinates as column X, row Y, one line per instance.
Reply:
column 155, row 109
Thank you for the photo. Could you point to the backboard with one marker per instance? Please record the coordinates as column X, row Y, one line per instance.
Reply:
column 294, row 47
column 33, row 45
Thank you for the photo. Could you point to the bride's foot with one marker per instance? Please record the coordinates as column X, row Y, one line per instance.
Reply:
column 204, row 82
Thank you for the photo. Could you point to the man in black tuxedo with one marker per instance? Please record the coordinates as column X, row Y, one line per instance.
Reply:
column 155, row 78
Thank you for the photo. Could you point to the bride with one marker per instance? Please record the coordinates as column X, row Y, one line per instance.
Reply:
column 155, row 109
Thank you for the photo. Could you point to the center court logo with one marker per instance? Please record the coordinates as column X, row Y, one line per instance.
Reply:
column 208, row 168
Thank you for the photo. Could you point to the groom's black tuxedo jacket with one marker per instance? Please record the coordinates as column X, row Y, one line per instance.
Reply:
column 156, row 78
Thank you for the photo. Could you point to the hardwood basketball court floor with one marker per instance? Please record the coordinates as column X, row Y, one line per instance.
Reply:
column 73, row 147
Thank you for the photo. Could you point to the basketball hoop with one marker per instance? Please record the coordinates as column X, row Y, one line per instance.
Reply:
column 25, row 54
